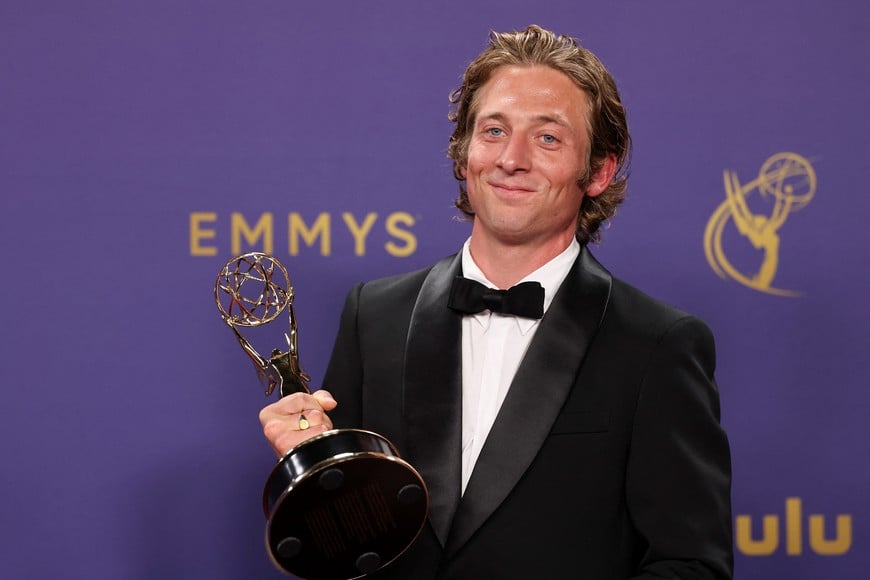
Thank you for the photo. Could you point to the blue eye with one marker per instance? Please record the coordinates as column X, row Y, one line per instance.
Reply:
column 495, row 132
column 549, row 139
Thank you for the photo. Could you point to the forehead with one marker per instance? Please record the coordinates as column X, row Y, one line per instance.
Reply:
column 531, row 91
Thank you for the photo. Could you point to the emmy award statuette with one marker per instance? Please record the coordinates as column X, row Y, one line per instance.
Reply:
column 342, row 504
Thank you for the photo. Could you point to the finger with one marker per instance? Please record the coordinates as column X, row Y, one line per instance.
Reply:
column 315, row 418
column 289, row 439
column 288, row 431
column 325, row 399
column 289, row 405
column 297, row 402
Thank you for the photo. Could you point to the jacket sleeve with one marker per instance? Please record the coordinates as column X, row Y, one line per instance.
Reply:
column 344, row 374
column 679, row 467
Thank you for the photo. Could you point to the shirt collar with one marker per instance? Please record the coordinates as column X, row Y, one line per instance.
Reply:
column 550, row 276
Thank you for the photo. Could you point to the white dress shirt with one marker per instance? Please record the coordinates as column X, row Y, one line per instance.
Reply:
column 493, row 345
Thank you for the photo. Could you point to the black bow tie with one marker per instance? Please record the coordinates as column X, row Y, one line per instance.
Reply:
column 470, row 297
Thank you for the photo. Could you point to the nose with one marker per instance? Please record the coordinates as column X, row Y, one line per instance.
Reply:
column 515, row 155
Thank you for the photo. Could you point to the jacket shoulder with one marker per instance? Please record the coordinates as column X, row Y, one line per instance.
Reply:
column 640, row 313
column 398, row 286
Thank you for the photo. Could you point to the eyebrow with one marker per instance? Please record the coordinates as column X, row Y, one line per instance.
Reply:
column 541, row 119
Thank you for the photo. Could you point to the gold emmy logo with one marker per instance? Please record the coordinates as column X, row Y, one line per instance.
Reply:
column 785, row 183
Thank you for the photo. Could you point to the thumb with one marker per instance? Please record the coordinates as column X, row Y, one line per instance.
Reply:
column 325, row 399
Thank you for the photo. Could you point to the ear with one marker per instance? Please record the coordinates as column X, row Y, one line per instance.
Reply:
column 602, row 178
column 463, row 171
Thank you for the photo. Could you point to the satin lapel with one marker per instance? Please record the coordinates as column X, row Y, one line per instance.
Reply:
column 433, row 394
column 536, row 396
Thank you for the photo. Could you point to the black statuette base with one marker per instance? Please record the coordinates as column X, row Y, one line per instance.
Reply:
column 342, row 505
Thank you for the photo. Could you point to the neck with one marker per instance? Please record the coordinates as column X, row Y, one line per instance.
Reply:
column 506, row 264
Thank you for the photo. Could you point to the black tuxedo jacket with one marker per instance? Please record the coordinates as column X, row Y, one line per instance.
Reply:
column 606, row 460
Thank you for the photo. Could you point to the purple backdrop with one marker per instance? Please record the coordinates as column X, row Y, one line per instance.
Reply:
column 131, row 132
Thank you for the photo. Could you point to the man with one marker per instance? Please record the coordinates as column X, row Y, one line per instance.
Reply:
column 582, row 444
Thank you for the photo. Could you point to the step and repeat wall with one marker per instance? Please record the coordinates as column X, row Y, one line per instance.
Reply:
column 142, row 144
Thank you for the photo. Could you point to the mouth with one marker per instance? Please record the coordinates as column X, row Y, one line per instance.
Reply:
column 510, row 188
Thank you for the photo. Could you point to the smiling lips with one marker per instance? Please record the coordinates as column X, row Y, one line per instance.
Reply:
column 509, row 188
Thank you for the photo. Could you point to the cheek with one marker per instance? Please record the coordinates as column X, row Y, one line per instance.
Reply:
column 479, row 158
column 565, row 175
column 569, row 190
column 472, row 165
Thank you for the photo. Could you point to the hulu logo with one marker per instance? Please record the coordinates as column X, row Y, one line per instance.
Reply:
column 819, row 541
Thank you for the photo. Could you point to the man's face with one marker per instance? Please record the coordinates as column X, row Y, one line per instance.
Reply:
column 526, row 154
